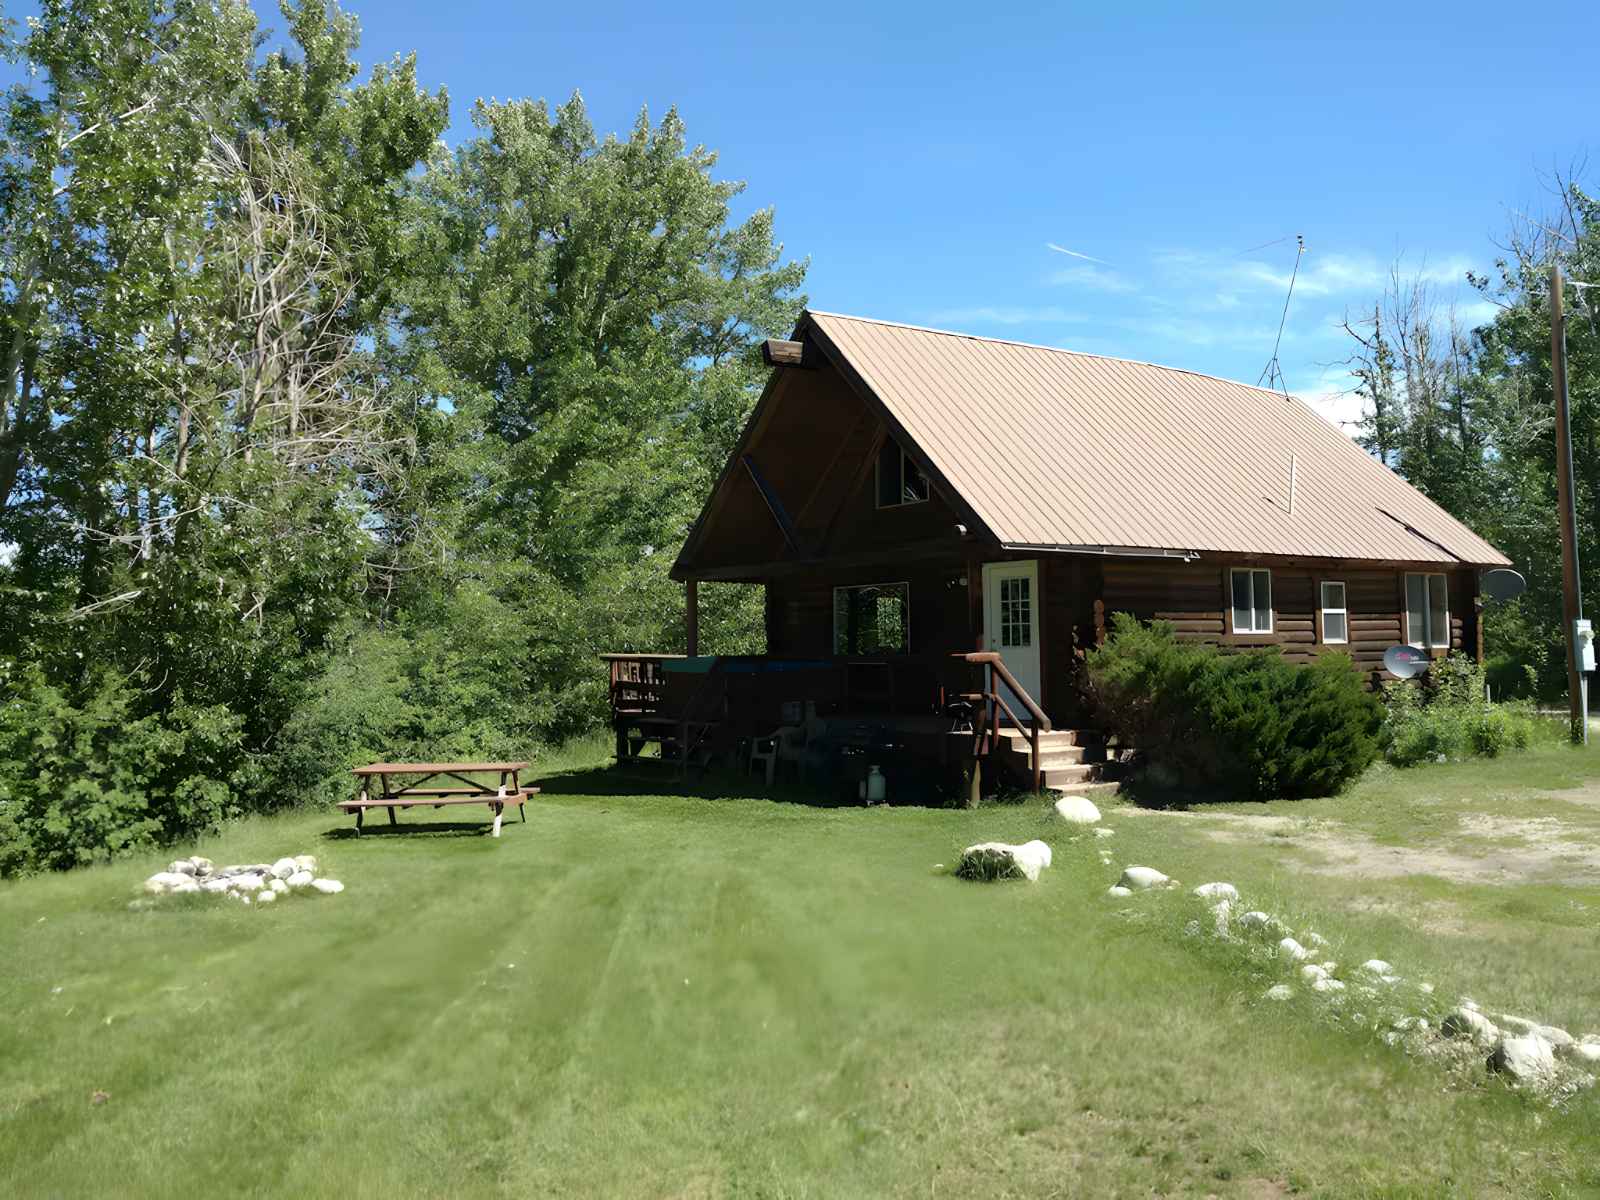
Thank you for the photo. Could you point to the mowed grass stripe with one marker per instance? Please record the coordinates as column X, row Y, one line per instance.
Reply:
column 855, row 1022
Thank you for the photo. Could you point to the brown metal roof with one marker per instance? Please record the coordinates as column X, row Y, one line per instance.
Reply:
column 1053, row 448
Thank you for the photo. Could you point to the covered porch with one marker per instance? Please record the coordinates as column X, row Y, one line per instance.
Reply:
column 952, row 723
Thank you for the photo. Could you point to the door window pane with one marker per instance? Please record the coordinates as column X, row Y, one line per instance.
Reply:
column 1016, row 611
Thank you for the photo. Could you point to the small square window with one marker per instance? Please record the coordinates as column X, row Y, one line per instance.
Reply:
column 1335, row 616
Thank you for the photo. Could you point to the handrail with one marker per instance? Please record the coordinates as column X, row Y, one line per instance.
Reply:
column 995, row 667
column 1010, row 680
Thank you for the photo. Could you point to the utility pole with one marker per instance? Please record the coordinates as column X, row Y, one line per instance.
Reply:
column 1571, row 597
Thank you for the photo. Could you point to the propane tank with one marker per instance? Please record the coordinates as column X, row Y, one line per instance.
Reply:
column 877, row 786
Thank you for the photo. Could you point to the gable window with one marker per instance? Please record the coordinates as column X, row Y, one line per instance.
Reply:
column 1335, row 616
column 872, row 618
column 900, row 481
column 1252, row 600
column 1428, row 611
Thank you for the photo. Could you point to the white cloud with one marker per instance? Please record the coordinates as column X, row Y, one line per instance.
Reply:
column 1093, row 279
column 1007, row 314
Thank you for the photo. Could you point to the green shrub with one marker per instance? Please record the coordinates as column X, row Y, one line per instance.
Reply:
column 1444, row 715
column 83, row 777
column 1251, row 724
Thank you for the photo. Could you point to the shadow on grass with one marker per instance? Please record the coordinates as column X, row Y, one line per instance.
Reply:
column 609, row 781
column 347, row 833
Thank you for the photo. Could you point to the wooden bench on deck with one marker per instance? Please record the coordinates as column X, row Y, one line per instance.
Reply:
column 425, row 792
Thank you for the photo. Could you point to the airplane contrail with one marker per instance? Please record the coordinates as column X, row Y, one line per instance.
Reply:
column 1075, row 254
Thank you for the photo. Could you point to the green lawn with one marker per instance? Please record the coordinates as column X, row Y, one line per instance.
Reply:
column 665, row 995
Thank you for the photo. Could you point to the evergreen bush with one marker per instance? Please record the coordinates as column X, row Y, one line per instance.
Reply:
column 1250, row 724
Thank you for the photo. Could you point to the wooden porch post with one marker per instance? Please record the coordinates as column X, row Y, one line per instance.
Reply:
column 691, row 612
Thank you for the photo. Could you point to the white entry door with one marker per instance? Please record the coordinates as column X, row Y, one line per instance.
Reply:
column 1011, row 624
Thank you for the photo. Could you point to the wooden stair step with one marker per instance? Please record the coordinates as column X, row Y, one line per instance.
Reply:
column 1090, row 788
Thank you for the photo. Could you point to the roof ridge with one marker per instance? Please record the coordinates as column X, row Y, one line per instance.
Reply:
column 978, row 337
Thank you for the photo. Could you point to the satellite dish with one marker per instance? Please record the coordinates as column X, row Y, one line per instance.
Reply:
column 1404, row 661
column 1503, row 583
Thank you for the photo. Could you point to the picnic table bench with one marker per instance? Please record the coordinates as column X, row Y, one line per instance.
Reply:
column 424, row 791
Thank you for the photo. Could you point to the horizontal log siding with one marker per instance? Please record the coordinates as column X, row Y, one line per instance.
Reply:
column 1194, row 598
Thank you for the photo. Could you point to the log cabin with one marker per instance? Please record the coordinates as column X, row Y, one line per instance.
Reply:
column 943, row 524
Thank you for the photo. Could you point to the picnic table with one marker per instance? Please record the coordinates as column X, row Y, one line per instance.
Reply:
column 424, row 790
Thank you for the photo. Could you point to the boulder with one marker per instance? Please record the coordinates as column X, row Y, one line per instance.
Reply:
column 987, row 860
column 332, row 887
column 182, row 867
column 1586, row 1052
column 1141, row 879
column 164, row 881
column 1102, row 832
column 189, row 884
column 278, row 886
column 1217, row 891
column 214, row 884
column 1527, row 1059
column 1311, row 973
column 1555, row 1036
column 1077, row 810
column 1376, row 966
column 300, row 879
column 306, row 862
column 202, row 866
column 1117, row 889
column 267, row 896
column 284, row 868
column 1464, row 1022
column 1314, row 939
column 248, row 883
column 1292, row 951
column 1325, row 984
column 1279, row 991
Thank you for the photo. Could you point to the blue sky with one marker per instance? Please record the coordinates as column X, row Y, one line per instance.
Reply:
column 925, row 157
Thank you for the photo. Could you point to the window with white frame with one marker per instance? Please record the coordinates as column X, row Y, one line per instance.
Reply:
column 900, row 480
column 872, row 619
column 1252, row 600
column 1428, row 611
column 1335, row 615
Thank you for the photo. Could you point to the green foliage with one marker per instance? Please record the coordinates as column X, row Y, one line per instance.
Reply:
column 1250, row 724
column 320, row 442
column 86, row 777
column 1444, row 715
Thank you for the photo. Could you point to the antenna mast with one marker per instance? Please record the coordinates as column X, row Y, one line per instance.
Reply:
column 1272, row 375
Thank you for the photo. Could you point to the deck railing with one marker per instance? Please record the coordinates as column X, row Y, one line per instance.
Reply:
column 637, row 683
column 729, row 694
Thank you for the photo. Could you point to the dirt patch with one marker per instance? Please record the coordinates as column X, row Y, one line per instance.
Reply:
column 1490, row 849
